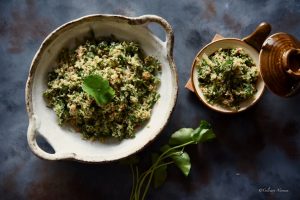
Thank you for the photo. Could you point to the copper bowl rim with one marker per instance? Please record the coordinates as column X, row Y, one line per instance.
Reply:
column 228, row 111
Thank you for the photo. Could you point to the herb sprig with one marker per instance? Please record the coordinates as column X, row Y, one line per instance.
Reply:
column 171, row 153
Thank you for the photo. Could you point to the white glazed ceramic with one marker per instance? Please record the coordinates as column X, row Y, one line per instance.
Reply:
column 227, row 43
column 68, row 144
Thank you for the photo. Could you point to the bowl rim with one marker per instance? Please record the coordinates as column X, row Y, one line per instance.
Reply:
column 204, row 101
column 33, row 124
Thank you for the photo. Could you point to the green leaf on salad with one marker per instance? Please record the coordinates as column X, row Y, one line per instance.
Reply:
column 99, row 88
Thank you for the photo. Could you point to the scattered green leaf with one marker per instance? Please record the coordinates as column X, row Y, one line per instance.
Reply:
column 182, row 161
column 173, row 152
column 181, row 136
column 180, row 158
column 203, row 133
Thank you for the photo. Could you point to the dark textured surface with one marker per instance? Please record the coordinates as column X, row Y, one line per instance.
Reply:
column 259, row 148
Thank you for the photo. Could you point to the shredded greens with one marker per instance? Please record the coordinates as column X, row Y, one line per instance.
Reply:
column 227, row 77
column 104, row 89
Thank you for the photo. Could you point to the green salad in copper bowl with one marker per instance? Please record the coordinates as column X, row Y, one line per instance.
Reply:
column 227, row 77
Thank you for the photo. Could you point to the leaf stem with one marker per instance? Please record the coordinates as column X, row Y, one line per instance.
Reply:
column 142, row 178
column 177, row 155
column 151, row 175
column 165, row 155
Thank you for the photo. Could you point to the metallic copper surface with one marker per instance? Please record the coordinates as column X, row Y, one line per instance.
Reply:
column 274, row 64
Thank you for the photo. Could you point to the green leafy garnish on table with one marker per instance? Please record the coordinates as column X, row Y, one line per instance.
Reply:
column 171, row 153
column 99, row 88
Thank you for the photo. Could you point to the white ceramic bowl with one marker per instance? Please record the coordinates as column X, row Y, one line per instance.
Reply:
column 228, row 43
column 68, row 144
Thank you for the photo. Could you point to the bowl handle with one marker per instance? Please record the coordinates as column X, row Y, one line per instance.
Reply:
column 32, row 132
column 257, row 38
column 291, row 62
column 146, row 19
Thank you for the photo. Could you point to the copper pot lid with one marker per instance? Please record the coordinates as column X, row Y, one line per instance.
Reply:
column 280, row 64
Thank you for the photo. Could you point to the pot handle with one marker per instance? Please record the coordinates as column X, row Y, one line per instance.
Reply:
column 146, row 19
column 32, row 133
column 257, row 38
column 291, row 62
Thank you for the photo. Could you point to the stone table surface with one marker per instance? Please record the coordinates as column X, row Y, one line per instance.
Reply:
column 256, row 154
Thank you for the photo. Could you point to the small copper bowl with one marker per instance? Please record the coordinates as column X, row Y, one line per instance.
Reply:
column 251, row 45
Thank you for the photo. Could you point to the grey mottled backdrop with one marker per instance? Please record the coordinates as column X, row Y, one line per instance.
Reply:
column 257, row 149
